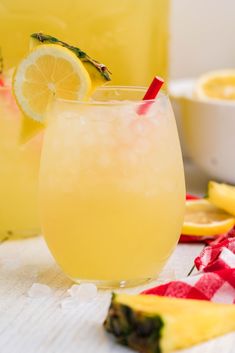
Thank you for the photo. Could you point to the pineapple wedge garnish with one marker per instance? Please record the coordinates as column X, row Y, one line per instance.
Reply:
column 98, row 72
column 154, row 324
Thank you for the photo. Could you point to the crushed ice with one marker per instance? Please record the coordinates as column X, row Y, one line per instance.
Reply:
column 84, row 292
column 39, row 290
column 79, row 294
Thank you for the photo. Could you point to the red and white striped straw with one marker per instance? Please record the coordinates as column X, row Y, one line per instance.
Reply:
column 150, row 94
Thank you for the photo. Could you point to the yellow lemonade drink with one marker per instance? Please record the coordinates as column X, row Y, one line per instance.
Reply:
column 19, row 166
column 112, row 189
column 129, row 36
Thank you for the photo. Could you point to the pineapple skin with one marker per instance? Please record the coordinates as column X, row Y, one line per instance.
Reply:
column 133, row 328
column 153, row 324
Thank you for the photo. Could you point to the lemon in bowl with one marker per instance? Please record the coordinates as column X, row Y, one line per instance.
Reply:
column 206, row 111
column 216, row 85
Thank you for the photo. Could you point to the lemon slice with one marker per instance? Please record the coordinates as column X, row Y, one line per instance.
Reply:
column 48, row 71
column 203, row 218
column 216, row 85
column 223, row 196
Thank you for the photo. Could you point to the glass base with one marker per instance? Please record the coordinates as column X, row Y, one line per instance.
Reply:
column 114, row 284
column 18, row 234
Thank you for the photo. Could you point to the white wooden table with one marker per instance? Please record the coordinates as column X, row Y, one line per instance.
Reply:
column 41, row 325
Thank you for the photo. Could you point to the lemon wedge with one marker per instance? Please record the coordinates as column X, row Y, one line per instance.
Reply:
column 49, row 71
column 223, row 196
column 219, row 85
column 203, row 218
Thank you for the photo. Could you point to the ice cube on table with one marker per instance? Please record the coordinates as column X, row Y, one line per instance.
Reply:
column 69, row 303
column 39, row 290
column 84, row 292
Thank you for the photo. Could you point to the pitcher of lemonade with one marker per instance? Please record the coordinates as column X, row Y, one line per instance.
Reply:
column 129, row 36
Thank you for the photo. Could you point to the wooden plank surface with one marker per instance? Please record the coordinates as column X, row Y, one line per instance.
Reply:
column 31, row 325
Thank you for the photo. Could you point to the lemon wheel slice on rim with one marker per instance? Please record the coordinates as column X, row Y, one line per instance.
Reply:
column 218, row 85
column 203, row 218
column 48, row 71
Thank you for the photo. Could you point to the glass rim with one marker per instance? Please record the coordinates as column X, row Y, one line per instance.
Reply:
column 161, row 95
column 113, row 102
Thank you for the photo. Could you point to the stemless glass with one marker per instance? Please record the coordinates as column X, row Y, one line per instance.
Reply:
column 19, row 168
column 112, row 188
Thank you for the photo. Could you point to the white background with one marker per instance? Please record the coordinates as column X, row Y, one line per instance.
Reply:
column 202, row 36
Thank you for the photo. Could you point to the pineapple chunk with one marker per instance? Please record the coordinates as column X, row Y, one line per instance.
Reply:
column 154, row 324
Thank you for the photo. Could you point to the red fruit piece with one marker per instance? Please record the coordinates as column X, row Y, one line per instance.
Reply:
column 1, row 82
column 191, row 197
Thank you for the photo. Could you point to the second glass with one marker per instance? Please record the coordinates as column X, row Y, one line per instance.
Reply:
column 112, row 187
column 19, row 166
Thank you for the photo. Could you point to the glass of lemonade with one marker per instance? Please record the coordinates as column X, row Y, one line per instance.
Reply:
column 112, row 188
column 19, row 165
column 108, row 30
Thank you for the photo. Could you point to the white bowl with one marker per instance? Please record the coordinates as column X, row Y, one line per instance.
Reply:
column 207, row 129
